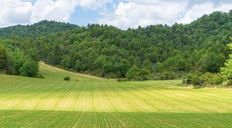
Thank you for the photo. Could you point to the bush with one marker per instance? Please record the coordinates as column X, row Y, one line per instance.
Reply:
column 211, row 79
column 227, row 83
column 67, row 78
column 217, row 80
column 207, row 79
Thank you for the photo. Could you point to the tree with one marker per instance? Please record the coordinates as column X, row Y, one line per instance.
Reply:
column 15, row 62
column 226, row 71
column 29, row 68
column 211, row 62
column 176, row 63
column 3, row 59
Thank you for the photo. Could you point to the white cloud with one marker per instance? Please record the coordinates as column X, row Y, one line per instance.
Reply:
column 14, row 11
column 206, row 8
column 29, row 11
column 59, row 10
column 127, row 13
column 92, row 4
column 134, row 13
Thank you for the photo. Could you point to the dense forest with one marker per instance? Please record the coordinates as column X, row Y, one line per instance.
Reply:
column 17, row 62
column 153, row 52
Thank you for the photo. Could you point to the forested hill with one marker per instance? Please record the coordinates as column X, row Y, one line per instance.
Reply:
column 154, row 52
column 42, row 28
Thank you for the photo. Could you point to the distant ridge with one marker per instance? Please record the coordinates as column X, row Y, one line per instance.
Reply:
column 42, row 28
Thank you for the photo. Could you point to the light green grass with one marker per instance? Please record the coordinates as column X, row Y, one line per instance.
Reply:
column 92, row 102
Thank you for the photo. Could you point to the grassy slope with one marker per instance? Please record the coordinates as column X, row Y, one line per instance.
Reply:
column 88, row 101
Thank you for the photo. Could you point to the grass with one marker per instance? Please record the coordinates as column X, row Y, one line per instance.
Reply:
column 92, row 102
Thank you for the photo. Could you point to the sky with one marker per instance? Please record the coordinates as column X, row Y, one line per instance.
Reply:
column 120, row 13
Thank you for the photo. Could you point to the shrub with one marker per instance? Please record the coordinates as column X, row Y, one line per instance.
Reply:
column 211, row 79
column 207, row 79
column 217, row 80
column 67, row 78
column 228, row 83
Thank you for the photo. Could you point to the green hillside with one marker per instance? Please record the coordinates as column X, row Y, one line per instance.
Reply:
column 93, row 102
column 149, row 53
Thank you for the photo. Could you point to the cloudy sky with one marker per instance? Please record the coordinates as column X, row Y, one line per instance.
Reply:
column 120, row 13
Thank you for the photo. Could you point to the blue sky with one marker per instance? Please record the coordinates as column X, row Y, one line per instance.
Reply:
column 120, row 13
column 83, row 16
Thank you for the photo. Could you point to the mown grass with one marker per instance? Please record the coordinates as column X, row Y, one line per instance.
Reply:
column 92, row 102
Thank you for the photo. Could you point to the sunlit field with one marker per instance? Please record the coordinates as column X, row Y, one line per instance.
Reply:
column 92, row 102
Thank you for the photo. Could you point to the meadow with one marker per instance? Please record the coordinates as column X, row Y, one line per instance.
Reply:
column 92, row 102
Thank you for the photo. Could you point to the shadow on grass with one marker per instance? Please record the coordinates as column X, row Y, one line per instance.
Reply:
column 50, row 119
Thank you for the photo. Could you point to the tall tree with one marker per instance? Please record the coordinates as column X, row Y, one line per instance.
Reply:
column 227, row 70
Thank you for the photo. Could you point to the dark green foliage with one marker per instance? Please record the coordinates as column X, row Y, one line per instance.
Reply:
column 194, row 79
column 17, row 63
column 211, row 62
column 29, row 68
column 67, row 78
column 134, row 73
column 3, row 59
column 158, row 51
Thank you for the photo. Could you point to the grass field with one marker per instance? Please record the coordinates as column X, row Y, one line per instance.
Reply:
column 92, row 102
